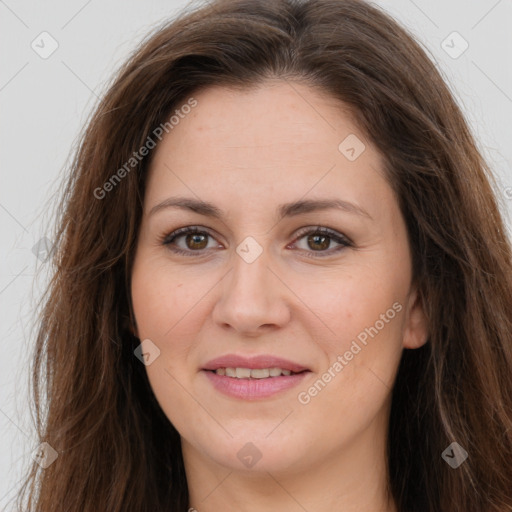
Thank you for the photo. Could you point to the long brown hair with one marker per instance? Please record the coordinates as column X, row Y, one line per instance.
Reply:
column 117, row 451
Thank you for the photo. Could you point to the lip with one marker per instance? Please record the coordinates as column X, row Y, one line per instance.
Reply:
column 253, row 389
column 253, row 362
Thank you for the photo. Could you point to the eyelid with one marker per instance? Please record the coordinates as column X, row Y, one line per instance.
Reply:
column 324, row 230
column 168, row 238
column 342, row 240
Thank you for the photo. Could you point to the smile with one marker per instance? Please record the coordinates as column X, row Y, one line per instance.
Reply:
column 253, row 373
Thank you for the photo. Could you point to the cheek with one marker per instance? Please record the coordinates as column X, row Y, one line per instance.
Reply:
column 160, row 298
column 354, row 305
column 162, row 304
column 170, row 309
column 363, row 347
column 363, row 310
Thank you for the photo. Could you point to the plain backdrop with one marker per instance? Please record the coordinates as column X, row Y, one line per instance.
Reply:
column 45, row 100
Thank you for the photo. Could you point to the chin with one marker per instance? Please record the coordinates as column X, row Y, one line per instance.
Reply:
column 255, row 453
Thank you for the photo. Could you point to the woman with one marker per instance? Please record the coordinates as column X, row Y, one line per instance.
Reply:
column 282, row 280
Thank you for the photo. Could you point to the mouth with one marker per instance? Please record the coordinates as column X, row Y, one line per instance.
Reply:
column 254, row 373
column 253, row 378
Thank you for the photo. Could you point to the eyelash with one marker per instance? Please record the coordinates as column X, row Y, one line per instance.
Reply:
column 337, row 237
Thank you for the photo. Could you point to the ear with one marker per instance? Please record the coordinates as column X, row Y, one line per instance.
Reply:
column 416, row 329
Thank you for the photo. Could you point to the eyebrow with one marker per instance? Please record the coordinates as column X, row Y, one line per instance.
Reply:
column 284, row 210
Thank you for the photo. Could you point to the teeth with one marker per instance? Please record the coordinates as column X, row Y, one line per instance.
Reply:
column 275, row 372
column 230, row 372
column 260, row 374
column 242, row 373
column 248, row 373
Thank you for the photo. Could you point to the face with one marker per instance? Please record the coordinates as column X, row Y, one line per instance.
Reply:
column 322, row 293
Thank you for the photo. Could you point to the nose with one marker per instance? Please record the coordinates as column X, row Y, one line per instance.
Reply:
column 253, row 298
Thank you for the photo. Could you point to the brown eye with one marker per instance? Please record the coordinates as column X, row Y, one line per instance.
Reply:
column 318, row 240
column 195, row 241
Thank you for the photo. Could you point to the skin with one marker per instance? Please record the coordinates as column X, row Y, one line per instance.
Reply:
column 247, row 152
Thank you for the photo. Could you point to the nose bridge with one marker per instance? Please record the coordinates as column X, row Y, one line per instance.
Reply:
column 250, row 270
column 251, row 295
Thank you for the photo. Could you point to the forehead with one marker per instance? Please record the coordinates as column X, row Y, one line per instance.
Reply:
column 278, row 139
column 273, row 115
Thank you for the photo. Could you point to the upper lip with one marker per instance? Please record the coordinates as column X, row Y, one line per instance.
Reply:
column 253, row 362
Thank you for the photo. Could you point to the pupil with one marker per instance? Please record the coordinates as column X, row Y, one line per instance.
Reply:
column 194, row 237
column 315, row 237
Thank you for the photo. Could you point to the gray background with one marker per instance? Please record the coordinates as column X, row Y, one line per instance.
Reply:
column 44, row 103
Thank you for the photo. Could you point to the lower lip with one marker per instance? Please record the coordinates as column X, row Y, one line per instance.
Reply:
column 252, row 389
